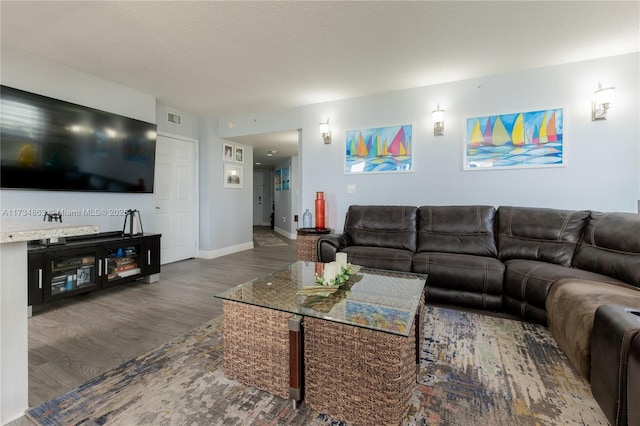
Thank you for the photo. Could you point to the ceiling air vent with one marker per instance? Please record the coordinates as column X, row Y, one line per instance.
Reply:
column 174, row 118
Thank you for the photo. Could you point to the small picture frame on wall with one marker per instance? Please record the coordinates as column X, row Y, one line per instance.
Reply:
column 239, row 155
column 227, row 152
column 232, row 176
column 286, row 178
column 278, row 180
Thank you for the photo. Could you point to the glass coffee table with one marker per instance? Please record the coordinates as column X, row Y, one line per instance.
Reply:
column 351, row 354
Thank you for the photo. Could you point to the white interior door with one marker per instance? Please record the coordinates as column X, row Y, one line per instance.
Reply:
column 258, row 198
column 176, row 202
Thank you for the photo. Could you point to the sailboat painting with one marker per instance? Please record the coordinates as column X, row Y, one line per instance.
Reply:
column 522, row 139
column 379, row 150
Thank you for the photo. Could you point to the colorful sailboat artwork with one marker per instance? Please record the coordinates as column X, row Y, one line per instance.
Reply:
column 522, row 139
column 382, row 149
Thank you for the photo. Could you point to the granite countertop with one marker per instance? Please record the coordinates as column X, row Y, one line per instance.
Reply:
column 11, row 232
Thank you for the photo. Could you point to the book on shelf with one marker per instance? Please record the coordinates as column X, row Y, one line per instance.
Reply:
column 84, row 275
column 123, row 261
column 128, row 272
column 126, row 267
column 67, row 263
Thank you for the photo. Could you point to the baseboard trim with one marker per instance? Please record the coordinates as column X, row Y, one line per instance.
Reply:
column 284, row 233
column 212, row 254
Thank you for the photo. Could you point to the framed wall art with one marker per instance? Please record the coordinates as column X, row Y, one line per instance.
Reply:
column 278, row 180
column 516, row 140
column 286, row 178
column 379, row 150
column 227, row 152
column 239, row 155
column 232, row 176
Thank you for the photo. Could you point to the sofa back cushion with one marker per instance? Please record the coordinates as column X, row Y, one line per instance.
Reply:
column 547, row 235
column 382, row 226
column 611, row 246
column 457, row 229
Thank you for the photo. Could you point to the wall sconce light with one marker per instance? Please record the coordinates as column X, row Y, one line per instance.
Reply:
column 325, row 130
column 600, row 105
column 438, row 122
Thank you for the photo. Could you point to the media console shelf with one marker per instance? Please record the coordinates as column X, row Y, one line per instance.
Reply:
column 90, row 263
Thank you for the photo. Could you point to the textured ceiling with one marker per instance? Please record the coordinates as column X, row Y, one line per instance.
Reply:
column 223, row 59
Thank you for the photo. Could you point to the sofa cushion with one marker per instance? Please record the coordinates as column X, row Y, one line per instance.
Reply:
column 382, row 226
column 571, row 307
column 380, row 257
column 547, row 235
column 527, row 284
column 457, row 229
column 611, row 246
column 461, row 279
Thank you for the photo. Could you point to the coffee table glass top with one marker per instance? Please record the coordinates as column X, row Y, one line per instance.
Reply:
column 371, row 298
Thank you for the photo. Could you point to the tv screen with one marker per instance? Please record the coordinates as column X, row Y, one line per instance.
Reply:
column 49, row 144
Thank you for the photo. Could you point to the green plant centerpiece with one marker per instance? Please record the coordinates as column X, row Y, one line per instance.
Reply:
column 339, row 277
column 334, row 275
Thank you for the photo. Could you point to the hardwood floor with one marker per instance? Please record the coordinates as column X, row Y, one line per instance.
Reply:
column 74, row 340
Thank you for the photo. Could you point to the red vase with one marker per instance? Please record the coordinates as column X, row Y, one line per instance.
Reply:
column 320, row 209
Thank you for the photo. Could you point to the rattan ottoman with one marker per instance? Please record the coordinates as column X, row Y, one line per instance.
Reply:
column 256, row 347
column 358, row 375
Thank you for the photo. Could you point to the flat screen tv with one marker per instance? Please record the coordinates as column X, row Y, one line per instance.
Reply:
column 49, row 144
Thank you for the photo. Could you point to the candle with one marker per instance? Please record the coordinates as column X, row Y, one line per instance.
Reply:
column 341, row 258
column 330, row 272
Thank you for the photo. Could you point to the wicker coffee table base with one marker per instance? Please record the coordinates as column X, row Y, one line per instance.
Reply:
column 256, row 347
column 360, row 376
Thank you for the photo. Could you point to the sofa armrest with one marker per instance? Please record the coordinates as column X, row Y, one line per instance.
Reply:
column 614, row 358
column 329, row 245
column 633, row 385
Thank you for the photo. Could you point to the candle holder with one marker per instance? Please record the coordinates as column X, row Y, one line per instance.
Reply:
column 135, row 224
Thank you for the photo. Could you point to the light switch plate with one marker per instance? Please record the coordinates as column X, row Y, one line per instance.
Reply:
column 351, row 188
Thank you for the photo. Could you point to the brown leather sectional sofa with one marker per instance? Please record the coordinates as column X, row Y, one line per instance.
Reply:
column 550, row 266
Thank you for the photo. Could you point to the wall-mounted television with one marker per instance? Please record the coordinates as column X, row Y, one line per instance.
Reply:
column 49, row 144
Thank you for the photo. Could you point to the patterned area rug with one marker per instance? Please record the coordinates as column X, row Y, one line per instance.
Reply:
column 264, row 237
column 474, row 370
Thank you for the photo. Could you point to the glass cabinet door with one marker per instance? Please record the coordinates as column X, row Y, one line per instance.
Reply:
column 123, row 260
column 70, row 273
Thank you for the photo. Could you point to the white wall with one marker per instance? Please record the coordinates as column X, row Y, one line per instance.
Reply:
column 189, row 128
column 285, row 201
column 295, row 195
column 226, row 214
column 602, row 158
column 37, row 75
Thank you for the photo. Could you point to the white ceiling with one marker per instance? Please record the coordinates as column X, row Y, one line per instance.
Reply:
column 222, row 59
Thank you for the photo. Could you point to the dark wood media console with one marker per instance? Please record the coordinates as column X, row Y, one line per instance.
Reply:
column 90, row 263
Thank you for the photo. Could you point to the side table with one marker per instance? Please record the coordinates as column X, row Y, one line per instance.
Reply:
column 307, row 243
